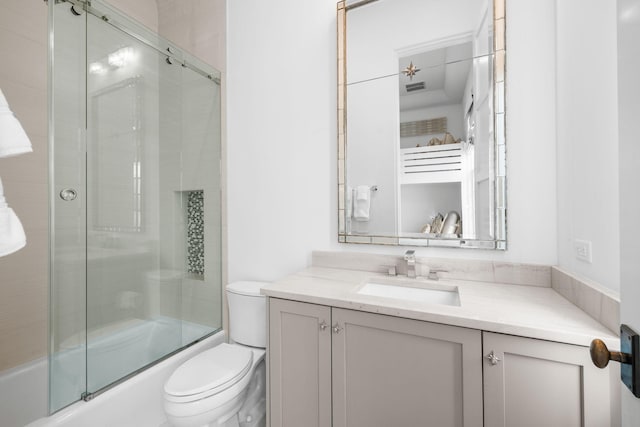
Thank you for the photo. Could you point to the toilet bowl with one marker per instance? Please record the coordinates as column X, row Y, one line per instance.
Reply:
column 197, row 395
column 225, row 386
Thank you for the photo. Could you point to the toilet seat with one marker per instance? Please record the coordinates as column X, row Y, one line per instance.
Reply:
column 209, row 373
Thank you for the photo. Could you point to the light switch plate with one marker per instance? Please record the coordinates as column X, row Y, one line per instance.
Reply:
column 582, row 249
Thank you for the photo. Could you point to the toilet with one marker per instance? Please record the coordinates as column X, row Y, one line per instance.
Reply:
column 225, row 385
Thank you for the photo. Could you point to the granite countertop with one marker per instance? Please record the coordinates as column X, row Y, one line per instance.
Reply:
column 529, row 311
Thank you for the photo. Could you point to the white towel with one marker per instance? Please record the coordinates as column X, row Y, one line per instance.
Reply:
column 13, row 138
column 12, row 237
column 362, row 203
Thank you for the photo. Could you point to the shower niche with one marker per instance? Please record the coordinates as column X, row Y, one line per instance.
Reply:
column 136, row 255
column 194, row 215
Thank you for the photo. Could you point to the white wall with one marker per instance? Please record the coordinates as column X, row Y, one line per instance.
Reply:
column 281, row 133
column 629, row 110
column 282, row 145
column 373, row 135
column 587, row 135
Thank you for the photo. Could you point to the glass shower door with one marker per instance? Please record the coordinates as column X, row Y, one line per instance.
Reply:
column 146, row 231
column 131, row 224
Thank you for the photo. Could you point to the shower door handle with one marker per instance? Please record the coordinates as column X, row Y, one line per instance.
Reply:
column 68, row 194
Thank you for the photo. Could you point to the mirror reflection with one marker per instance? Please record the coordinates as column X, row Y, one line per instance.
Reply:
column 422, row 129
column 117, row 180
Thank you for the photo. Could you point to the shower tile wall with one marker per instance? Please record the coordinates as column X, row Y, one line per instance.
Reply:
column 23, row 275
column 195, row 149
column 143, row 11
column 23, row 79
column 199, row 27
column 195, row 25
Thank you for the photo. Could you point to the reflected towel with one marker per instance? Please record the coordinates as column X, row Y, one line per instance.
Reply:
column 362, row 203
column 12, row 237
column 13, row 139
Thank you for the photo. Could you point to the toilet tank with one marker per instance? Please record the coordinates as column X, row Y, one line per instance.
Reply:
column 247, row 313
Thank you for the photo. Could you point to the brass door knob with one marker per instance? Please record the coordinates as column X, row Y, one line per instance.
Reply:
column 600, row 354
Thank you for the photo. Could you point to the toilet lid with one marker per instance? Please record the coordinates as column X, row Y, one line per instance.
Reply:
column 211, row 371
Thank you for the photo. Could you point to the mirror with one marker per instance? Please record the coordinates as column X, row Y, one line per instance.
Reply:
column 421, row 123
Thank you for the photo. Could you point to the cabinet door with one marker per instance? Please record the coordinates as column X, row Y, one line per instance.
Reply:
column 299, row 364
column 540, row 383
column 389, row 371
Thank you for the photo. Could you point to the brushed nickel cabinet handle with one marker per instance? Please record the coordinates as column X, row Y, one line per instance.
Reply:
column 323, row 325
column 493, row 359
column 336, row 328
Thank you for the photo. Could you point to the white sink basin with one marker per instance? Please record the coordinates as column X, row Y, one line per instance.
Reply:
column 422, row 292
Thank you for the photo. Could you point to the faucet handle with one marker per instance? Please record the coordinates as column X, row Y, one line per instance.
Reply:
column 391, row 270
column 433, row 273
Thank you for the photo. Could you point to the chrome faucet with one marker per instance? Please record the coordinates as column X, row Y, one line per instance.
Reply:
column 410, row 257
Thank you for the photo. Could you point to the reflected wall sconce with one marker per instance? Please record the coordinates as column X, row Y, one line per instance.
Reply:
column 117, row 59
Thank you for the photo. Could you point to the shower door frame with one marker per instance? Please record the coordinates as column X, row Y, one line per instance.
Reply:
column 173, row 55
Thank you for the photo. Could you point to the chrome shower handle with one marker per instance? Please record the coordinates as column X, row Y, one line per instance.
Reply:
column 68, row 194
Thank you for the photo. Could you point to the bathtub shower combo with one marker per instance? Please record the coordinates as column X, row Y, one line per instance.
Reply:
column 135, row 200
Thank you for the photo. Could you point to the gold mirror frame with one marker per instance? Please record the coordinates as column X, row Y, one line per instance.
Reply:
column 498, row 195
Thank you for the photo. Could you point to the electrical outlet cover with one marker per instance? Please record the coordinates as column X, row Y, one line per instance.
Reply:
column 582, row 249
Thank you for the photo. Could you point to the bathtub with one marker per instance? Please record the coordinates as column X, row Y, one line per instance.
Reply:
column 23, row 393
column 136, row 402
column 133, row 343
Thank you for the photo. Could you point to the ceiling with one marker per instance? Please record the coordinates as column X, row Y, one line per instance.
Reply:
column 444, row 72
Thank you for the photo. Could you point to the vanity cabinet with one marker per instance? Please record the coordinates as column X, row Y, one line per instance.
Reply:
column 532, row 383
column 390, row 371
column 299, row 364
column 330, row 366
column 346, row 368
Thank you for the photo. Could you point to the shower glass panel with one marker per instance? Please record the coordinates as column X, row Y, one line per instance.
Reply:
column 136, row 254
